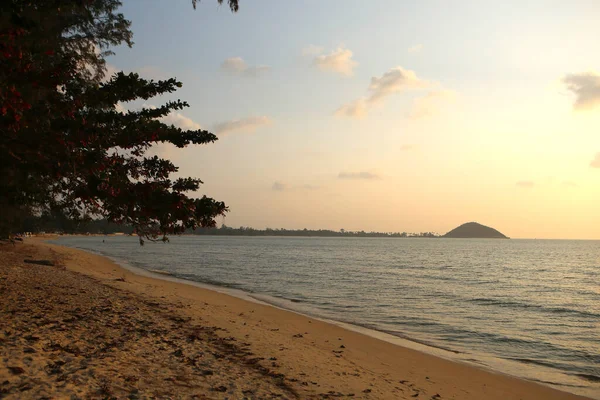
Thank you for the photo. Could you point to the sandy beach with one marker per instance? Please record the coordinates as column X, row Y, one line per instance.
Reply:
column 77, row 325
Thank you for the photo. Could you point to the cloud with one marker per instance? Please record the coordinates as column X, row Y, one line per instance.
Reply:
column 237, row 66
column 355, row 109
column 339, row 61
column 120, row 108
column 407, row 147
column 279, row 186
column 180, row 121
column 162, row 149
column 177, row 119
column 359, row 175
column 110, row 71
column 395, row 80
column 431, row 103
column 525, row 184
column 173, row 118
column 586, row 87
column 570, row 184
column 596, row 161
column 312, row 50
column 249, row 124
column 416, row 48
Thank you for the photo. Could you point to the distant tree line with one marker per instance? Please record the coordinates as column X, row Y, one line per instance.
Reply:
column 57, row 222
column 247, row 231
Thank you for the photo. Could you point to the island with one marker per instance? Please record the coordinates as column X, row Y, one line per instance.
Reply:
column 473, row 230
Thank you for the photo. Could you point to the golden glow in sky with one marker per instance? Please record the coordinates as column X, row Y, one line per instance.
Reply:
column 395, row 117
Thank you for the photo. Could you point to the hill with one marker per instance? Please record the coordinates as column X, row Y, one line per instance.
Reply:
column 475, row 230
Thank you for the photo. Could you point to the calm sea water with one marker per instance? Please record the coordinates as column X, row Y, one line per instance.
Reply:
column 530, row 308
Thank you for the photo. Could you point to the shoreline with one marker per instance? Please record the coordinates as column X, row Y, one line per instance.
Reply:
column 308, row 349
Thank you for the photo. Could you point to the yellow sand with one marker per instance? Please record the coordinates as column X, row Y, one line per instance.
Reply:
column 304, row 357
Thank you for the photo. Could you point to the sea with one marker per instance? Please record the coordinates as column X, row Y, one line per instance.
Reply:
column 527, row 308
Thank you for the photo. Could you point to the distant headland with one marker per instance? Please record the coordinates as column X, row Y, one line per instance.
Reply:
column 473, row 230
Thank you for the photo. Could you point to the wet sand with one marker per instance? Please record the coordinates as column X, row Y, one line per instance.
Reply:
column 84, row 327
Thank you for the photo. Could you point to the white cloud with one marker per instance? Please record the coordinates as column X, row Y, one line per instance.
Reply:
column 525, row 184
column 180, row 121
column 407, row 147
column 394, row 81
column 237, row 66
column 339, row 61
column 596, row 161
column 234, row 64
column 355, row 109
column 173, row 118
column 359, row 175
column 120, row 108
column 166, row 150
column 586, row 87
column 416, row 48
column 431, row 103
column 570, row 184
column 244, row 124
column 110, row 71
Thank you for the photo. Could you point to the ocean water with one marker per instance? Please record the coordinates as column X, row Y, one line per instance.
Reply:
column 529, row 308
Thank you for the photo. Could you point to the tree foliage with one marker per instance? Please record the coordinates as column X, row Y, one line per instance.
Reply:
column 233, row 4
column 65, row 142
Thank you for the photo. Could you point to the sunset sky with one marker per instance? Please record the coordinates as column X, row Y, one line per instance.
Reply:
column 385, row 115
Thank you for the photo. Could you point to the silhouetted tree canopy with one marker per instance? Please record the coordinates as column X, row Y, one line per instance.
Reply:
column 233, row 4
column 65, row 142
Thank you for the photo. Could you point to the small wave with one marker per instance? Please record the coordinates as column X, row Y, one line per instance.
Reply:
column 521, row 305
column 536, row 362
column 423, row 342
column 589, row 377
column 158, row 271
column 212, row 282
column 556, row 383
column 473, row 360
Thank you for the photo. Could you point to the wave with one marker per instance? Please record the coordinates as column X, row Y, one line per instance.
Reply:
column 535, row 362
column 420, row 341
column 556, row 383
column 589, row 377
column 521, row 305
column 158, row 271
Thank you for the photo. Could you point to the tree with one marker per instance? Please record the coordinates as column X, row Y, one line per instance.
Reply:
column 233, row 4
column 66, row 145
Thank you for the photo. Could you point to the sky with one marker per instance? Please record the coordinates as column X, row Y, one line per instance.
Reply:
column 384, row 115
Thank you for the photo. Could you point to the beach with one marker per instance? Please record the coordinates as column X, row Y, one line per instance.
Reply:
column 84, row 327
